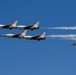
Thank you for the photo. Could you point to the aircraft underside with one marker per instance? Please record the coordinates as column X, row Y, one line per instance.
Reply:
column 5, row 26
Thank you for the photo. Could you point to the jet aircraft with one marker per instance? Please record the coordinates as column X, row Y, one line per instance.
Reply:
column 23, row 35
column 9, row 26
column 15, row 35
column 73, row 44
column 38, row 37
column 30, row 27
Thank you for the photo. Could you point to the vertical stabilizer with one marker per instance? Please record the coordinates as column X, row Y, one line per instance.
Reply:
column 36, row 24
column 14, row 23
column 24, row 33
column 43, row 35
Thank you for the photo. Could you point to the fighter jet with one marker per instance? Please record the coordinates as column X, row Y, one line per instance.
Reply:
column 73, row 44
column 9, row 26
column 38, row 37
column 30, row 27
column 15, row 35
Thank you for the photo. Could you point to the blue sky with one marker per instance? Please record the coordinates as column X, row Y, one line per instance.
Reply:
column 48, row 57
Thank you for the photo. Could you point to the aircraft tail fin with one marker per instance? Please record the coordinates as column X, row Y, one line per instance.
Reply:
column 14, row 23
column 24, row 33
column 43, row 35
column 36, row 24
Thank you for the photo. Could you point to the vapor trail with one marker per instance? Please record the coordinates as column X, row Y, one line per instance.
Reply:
column 63, row 28
column 68, row 36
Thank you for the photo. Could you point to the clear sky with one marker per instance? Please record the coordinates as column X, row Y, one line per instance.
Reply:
column 48, row 57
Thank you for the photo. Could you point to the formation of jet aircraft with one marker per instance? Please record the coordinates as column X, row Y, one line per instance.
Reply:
column 14, row 25
column 23, row 34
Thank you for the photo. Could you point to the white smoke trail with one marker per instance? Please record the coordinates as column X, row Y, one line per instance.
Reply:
column 68, row 36
column 63, row 28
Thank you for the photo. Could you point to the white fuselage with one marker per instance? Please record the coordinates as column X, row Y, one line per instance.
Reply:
column 20, row 27
column 9, row 35
column 28, row 37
